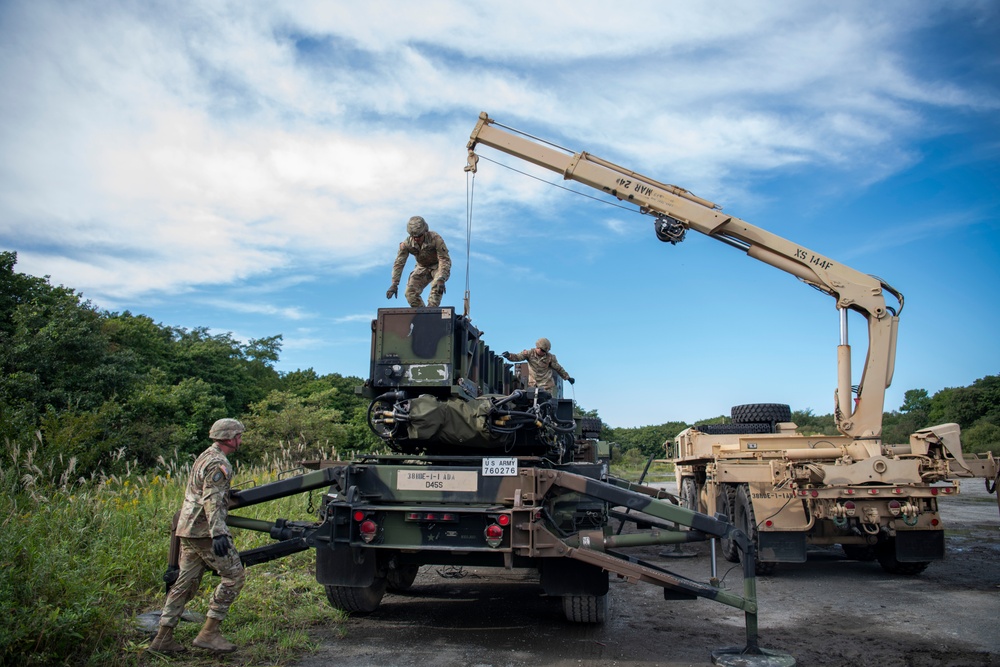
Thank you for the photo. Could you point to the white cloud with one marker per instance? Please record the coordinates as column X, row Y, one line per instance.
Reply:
column 202, row 145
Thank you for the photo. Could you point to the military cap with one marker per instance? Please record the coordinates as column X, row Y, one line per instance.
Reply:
column 544, row 344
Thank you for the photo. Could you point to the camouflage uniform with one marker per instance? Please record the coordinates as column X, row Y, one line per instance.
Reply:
column 540, row 368
column 202, row 517
column 433, row 265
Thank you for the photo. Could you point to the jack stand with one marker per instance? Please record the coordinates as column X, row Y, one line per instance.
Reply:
column 752, row 655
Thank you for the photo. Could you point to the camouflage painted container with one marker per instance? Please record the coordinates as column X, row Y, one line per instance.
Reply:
column 435, row 351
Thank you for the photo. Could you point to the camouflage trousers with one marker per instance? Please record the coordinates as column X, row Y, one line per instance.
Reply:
column 196, row 557
column 421, row 277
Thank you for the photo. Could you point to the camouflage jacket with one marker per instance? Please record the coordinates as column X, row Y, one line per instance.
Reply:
column 540, row 368
column 431, row 254
column 206, row 497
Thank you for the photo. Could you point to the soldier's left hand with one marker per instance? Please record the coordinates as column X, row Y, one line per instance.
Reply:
column 220, row 545
column 571, row 380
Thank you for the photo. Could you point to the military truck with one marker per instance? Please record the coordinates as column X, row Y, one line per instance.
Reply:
column 786, row 490
column 481, row 470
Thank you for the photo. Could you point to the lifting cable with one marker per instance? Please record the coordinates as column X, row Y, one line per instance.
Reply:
column 470, row 188
column 632, row 209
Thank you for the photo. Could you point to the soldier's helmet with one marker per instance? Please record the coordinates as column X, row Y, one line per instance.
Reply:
column 226, row 429
column 544, row 344
column 416, row 226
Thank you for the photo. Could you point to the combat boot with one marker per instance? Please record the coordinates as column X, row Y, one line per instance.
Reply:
column 164, row 641
column 211, row 639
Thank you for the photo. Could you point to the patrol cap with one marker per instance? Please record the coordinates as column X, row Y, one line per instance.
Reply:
column 416, row 226
column 226, row 429
column 544, row 344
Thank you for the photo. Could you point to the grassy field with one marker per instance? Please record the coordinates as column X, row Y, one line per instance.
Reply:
column 633, row 464
column 80, row 559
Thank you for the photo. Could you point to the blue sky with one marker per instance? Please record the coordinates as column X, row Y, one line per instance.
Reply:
column 250, row 166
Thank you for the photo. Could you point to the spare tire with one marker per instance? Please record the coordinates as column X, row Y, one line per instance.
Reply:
column 762, row 413
column 733, row 429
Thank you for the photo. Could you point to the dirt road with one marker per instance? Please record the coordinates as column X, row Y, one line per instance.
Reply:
column 828, row 611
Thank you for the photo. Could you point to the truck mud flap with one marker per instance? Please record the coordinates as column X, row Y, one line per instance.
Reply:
column 345, row 566
column 919, row 546
column 781, row 547
column 572, row 577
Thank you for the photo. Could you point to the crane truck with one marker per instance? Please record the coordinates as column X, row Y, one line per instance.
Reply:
column 782, row 489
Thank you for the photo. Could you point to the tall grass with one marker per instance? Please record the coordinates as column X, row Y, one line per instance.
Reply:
column 80, row 558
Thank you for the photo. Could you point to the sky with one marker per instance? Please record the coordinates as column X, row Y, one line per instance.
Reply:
column 250, row 167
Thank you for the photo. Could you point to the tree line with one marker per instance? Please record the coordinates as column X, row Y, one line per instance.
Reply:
column 976, row 408
column 108, row 389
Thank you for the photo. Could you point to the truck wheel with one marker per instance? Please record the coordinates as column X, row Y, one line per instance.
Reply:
column 357, row 599
column 887, row 559
column 761, row 413
column 862, row 552
column 689, row 494
column 725, row 504
column 747, row 522
column 585, row 608
column 401, row 578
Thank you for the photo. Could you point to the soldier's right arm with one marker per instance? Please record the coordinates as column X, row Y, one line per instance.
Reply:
column 518, row 356
column 397, row 266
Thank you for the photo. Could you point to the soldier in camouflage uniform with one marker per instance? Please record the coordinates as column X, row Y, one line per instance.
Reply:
column 541, row 364
column 206, row 544
column 433, row 265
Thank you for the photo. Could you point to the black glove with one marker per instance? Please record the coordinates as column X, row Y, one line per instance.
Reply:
column 393, row 291
column 571, row 380
column 220, row 545
column 505, row 355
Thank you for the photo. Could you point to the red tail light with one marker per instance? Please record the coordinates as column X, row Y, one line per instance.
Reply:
column 368, row 530
column 494, row 534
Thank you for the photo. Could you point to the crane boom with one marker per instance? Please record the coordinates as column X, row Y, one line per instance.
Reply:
column 676, row 210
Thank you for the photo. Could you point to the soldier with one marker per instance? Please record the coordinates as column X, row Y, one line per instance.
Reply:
column 433, row 265
column 541, row 364
column 205, row 544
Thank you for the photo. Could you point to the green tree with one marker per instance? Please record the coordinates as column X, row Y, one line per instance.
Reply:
column 284, row 425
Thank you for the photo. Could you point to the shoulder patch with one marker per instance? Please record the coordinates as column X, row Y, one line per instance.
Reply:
column 220, row 474
column 402, row 245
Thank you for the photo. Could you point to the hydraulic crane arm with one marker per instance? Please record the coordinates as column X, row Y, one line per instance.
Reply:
column 676, row 210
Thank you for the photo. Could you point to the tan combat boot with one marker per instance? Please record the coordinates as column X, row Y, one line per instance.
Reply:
column 164, row 641
column 212, row 639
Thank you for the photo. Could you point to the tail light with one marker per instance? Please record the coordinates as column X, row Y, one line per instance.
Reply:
column 431, row 517
column 850, row 509
column 494, row 535
column 368, row 529
column 366, row 526
column 894, row 507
